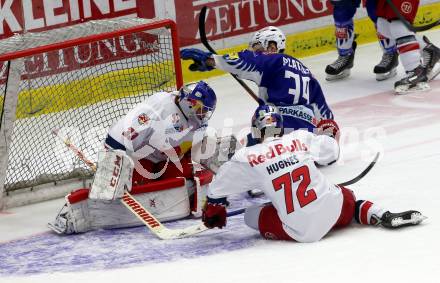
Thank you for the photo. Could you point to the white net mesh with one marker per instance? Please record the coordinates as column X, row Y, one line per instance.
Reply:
column 80, row 90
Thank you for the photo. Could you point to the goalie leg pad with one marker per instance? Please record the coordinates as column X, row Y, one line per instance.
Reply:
column 202, row 180
column 74, row 217
column 113, row 175
column 166, row 199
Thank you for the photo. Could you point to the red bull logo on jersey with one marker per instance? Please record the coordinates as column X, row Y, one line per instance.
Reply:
column 276, row 150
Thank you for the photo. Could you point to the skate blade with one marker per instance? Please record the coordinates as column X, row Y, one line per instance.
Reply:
column 422, row 86
column 416, row 218
column 255, row 193
column 385, row 76
column 339, row 76
column 434, row 72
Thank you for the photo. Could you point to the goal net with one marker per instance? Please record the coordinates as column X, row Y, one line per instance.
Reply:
column 77, row 80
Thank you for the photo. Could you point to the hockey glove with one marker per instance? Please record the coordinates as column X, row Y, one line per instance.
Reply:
column 214, row 213
column 328, row 127
column 199, row 57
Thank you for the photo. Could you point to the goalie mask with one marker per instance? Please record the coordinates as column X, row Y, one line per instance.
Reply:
column 267, row 122
column 197, row 102
column 264, row 36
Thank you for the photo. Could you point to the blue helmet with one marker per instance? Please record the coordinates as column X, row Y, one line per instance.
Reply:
column 267, row 121
column 197, row 101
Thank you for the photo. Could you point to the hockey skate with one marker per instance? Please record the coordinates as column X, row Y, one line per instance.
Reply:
column 431, row 59
column 415, row 80
column 398, row 220
column 387, row 67
column 341, row 67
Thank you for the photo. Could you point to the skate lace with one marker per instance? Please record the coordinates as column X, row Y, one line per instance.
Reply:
column 410, row 74
column 341, row 61
column 426, row 58
column 414, row 73
column 386, row 59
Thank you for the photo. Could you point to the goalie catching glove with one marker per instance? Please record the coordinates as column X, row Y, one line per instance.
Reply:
column 214, row 213
column 214, row 151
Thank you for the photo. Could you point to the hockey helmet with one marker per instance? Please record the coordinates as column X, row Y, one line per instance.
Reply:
column 267, row 122
column 266, row 35
column 197, row 101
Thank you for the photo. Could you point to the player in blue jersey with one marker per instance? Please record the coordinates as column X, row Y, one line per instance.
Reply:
column 282, row 79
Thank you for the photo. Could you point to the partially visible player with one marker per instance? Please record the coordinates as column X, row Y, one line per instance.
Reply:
column 148, row 153
column 343, row 13
column 410, row 49
column 304, row 206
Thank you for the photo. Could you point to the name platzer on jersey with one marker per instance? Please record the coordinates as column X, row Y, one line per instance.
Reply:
column 290, row 62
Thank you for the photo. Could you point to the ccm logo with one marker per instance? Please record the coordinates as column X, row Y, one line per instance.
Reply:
column 116, row 170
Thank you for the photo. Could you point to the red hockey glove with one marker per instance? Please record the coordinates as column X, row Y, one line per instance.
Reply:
column 328, row 127
column 214, row 213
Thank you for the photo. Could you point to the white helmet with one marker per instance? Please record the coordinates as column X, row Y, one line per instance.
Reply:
column 268, row 34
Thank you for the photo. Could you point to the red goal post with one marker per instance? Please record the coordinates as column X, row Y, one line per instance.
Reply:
column 78, row 79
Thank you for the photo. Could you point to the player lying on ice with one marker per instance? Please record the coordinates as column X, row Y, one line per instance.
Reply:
column 282, row 79
column 148, row 153
column 304, row 206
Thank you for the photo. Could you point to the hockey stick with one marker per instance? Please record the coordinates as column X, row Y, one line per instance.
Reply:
column 136, row 208
column 204, row 40
column 347, row 183
column 407, row 24
column 363, row 173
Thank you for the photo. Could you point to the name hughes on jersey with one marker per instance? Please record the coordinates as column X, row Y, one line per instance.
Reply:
column 274, row 151
column 274, row 167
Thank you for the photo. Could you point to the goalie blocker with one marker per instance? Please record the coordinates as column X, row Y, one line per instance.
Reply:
column 101, row 208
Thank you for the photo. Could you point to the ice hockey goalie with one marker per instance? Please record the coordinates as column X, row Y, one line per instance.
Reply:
column 148, row 153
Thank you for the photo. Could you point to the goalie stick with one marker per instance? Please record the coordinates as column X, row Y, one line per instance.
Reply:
column 204, row 40
column 347, row 183
column 407, row 24
column 155, row 226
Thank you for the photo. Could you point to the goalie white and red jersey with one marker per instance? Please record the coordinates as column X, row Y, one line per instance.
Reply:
column 155, row 129
column 284, row 168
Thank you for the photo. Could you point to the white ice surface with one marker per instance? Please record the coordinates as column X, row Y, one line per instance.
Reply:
column 405, row 178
